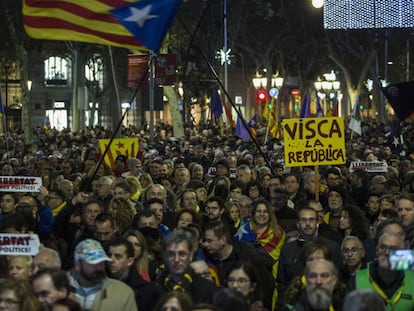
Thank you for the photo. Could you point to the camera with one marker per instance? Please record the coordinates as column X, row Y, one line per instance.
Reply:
column 401, row 259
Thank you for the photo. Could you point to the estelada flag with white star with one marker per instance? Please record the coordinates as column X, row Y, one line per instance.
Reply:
column 128, row 147
column 136, row 25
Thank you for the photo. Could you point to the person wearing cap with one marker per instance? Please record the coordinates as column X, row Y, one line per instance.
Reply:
column 377, row 184
column 336, row 200
column 120, row 165
column 223, row 168
column 93, row 290
column 134, row 166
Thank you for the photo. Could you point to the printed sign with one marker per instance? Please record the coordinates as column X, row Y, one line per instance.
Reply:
column 369, row 166
column 20, row 183
column 19, row 244
column 314, row 141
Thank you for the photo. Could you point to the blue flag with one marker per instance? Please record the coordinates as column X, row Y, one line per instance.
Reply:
column 253, row 122
column 241, row 130
column 305, row 109
column 148, row 20
column 216, row 105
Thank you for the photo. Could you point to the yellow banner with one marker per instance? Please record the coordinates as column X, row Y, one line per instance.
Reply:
column 314, row 141
column 128, row 147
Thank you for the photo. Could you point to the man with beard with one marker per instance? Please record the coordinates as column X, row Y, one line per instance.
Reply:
column 321, row 278
column 92, row 289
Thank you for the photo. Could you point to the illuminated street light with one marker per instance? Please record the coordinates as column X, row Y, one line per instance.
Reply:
column 317, row 3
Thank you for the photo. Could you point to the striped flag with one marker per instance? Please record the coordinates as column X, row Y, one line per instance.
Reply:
column 137, row 25
column 128, row 147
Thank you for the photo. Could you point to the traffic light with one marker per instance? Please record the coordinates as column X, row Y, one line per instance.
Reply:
column 361, row 106
column 261, row 96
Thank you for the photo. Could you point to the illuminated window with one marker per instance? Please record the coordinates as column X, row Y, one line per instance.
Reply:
column 57, row 71
column 94, row 71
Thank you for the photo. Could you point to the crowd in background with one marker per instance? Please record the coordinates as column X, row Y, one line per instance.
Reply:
column 207, row 222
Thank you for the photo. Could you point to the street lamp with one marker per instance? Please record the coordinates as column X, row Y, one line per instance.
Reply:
column 317, row 4
column 277, row 81
column 329, row 86
column 259, row 82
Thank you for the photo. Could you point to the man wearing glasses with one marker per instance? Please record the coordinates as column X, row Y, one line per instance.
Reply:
column 353, row 254
column 395, row 287
column 178, row 275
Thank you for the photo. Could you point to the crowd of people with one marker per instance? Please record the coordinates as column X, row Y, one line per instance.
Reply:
column 207, row 222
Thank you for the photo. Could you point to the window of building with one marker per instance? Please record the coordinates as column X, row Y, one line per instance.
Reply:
column 94, row 71
column 57, row 71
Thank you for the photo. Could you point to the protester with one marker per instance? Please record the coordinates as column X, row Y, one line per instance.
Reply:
column 17, row 295
column 93, row 290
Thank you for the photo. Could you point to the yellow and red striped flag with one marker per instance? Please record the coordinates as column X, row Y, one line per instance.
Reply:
column 136, row 25
column 128, row 147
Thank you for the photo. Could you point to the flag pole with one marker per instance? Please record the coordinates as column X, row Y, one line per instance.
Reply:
column 101, row 160
column 216, row 77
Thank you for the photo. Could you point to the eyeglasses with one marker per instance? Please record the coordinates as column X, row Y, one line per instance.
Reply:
column 351, row 251
column 8, row 301
column 241, row 281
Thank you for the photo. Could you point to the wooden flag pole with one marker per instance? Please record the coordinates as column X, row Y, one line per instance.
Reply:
column 317, row 183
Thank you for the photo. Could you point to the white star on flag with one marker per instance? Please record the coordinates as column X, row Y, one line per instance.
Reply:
column 396, row 141
column 140, row 16
column 240, row 232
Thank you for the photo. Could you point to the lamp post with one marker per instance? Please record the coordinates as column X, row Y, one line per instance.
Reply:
column 329, row 86
column 277, row 83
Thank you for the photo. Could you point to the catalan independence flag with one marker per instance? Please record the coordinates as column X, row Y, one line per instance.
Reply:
column 128, row 147
column 136, row 25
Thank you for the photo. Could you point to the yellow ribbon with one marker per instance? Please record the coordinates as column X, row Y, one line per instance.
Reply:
column 384, row 296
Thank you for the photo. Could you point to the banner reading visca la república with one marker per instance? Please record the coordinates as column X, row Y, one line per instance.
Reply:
column 314, row 141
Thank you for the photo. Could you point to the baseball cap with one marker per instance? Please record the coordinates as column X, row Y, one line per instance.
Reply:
column 91, row 251
column 379, row 179
column 223, row 162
